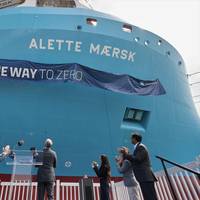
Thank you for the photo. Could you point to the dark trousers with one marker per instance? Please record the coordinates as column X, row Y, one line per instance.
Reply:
column 45, row 186
column 104, row 190
column 148, row 190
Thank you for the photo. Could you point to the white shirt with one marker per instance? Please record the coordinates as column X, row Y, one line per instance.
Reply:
column 135, row 146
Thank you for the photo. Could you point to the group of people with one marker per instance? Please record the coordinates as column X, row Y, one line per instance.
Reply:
column 135, row 167
column 136, row 170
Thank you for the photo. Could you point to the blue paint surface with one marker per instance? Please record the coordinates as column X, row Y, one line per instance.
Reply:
column 85, row 122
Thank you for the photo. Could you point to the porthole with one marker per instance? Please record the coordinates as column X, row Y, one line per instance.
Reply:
column 159, row 42
column 168, row 53
column 127, row 28
column 146, row 43
column 137, row 39
column 92, row 21
column 179, row 62
column 79, row 27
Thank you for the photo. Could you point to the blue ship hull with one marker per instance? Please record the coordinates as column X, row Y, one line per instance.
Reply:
column 85, row 122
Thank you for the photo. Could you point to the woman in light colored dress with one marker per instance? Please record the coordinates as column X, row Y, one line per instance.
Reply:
column 125, row 168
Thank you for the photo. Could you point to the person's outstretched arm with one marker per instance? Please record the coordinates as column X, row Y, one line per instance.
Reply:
column 96, row 170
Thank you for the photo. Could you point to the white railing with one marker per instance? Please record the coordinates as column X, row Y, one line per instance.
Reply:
column 63, row 191
column 18, row 191
column 186, row 186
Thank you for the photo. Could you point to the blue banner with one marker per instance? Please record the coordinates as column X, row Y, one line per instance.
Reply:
column 26, row 70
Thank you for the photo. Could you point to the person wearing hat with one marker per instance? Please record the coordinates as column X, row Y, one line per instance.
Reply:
column 46, row 172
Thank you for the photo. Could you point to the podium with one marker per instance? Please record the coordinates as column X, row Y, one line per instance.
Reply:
column 86, row 189
column 22, row 166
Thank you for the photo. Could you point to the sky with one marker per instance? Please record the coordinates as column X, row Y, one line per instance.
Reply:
column 177, row 21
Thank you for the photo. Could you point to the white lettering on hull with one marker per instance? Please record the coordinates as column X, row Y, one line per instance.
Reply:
column 113, row 52
column 57, row 45
column 76, row 46
column 44, row 74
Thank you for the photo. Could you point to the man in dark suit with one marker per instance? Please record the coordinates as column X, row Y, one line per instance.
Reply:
column 142, row 167
column 46, row 172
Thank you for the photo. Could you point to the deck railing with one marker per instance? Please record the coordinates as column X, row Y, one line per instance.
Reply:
column 181, row 182
column 186, row 187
